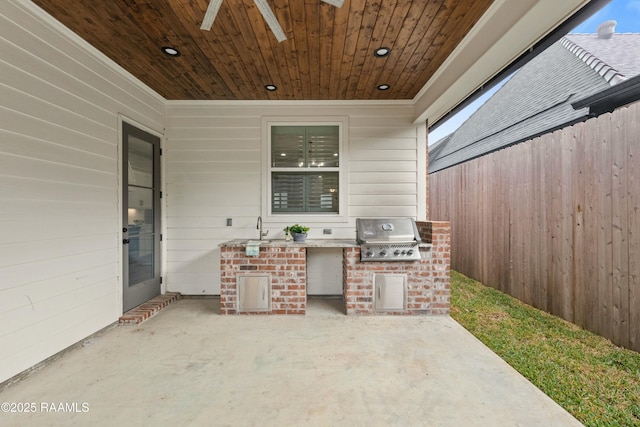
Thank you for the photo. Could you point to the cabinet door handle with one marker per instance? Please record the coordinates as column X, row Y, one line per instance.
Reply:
column 264, row 293
column 379, row 293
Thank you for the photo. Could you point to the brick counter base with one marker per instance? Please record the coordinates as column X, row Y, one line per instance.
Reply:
column 427, row 283
column 438, row 233
column 428, row 280
column 287, row 267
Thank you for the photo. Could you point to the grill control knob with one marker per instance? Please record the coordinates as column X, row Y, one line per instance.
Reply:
column 410, row 252
column 397, row 252
column 369, row 253
column 383, row 252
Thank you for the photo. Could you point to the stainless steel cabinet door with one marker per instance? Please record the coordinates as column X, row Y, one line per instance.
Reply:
column 254, row 292
column 389, row 291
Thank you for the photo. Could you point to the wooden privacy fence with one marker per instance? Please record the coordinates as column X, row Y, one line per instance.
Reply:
column 555, row 222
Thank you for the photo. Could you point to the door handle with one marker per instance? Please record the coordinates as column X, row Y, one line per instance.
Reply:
column 125, row 241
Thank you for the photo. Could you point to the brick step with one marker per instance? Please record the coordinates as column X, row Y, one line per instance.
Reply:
column 148, row 309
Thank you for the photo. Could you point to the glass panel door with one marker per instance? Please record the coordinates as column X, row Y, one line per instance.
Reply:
column 141, row 216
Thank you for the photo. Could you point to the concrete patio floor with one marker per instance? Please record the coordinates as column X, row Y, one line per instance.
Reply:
column 189, row 366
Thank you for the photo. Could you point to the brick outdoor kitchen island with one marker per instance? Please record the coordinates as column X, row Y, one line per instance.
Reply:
column 273, row 280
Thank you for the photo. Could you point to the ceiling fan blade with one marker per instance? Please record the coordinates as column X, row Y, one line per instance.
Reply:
column 210, row 15
column 336, row 3
column 271, row 19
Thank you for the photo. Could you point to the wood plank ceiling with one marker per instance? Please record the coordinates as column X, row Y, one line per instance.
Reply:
column 328, row 54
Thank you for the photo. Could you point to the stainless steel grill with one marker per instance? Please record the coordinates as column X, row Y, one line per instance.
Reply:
column 388, row 239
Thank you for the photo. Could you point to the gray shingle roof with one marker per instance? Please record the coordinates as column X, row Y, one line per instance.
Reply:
column 621, row 52
column 537, row 98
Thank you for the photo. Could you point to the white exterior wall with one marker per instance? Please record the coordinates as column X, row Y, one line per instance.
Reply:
column 60, row 239
column 214, row 171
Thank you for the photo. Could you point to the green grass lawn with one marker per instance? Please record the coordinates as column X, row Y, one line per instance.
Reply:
column 596, row 381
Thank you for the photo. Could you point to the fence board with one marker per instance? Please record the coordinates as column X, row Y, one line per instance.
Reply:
column 578, row 245
column 539, row 229
column 548, row 230
column 620, row 231
column 531, row 251
column 566, row 227
column 554, row 291
column 632, row 126
column 555, row 222
column 502, row 239
column 605, row 253
column 510, row 285
column 484, row 218
column 590, row 143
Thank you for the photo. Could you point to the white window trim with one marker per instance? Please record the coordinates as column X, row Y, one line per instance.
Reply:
column 343, row 125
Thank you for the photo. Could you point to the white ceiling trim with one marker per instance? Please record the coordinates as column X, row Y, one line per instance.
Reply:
column 289, row 103
column 507, row 30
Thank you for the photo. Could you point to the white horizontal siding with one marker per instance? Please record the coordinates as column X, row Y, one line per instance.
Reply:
column 31, row 126
column 395, row 154
column 59, row 197
column 373, row 179
column 384, row 211
column 38, row 291
column 60, row 173
column 384, row 168
column 221, row 133
column 45, row 337
column 21, row 144
column 408, row 188
column 49, row 271
column 213, row 172
column 219, row 165
column 44, row 249
column 213, row 157
column 382, row 200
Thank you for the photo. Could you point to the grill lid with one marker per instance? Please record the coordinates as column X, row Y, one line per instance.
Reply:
column 386, row 230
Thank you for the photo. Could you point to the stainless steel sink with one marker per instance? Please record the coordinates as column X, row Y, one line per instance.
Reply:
column 254, row 242
column 244, row 242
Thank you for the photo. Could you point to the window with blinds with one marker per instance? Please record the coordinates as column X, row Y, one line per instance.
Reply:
column 305, row 169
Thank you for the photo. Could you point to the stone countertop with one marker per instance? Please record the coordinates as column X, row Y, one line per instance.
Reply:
column 309, row 243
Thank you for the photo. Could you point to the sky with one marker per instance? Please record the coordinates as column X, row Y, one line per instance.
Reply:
column 625, row 12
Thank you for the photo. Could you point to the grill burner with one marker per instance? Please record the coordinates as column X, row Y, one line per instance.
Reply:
column 388, row 239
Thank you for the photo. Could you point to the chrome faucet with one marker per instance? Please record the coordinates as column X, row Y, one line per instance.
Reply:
column 259, row 227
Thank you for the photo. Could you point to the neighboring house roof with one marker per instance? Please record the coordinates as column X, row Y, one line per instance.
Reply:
column 621, row 52
column 538, row 97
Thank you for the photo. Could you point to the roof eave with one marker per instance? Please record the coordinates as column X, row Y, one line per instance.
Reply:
column 614, row 97
column 506, row 33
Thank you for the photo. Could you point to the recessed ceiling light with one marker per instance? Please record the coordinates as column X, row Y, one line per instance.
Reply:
column 383, row 87
column 171, row 51
column 271, row 87
column 382, row 52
